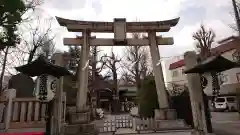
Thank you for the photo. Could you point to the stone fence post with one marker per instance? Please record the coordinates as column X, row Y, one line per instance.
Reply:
column 10, row 94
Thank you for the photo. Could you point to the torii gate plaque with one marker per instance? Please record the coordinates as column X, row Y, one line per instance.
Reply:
column 120, row 27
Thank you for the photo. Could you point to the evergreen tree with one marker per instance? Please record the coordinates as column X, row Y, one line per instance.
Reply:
column 11, row 12
column 148, row 98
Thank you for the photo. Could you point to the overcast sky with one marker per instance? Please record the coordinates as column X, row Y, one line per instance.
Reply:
column 215, row 14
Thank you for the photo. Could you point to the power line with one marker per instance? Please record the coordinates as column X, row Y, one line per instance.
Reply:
column 169, row 57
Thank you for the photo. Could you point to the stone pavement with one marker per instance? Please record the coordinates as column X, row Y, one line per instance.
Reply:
column 130, row 131
column 226, row 128
column 226, row 123
column 158, row 133
column 25, row 130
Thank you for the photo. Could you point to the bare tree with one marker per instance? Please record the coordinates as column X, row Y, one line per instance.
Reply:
column 4, row 66
column 95, row 68
column 40, row 40
column 10, row 37
column 111, row 63
column 34, row 41
column 204, row 39
column 95, row 65
column 136, row 64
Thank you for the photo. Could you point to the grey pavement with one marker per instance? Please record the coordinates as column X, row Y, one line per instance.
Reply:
column 124, row 131
column 23, row 130
column 226, row 123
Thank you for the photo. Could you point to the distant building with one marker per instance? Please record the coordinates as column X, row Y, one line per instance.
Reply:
column 229, row 80
column 128, row 91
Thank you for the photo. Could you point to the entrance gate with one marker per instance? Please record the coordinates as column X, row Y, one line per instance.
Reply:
column 120, row 28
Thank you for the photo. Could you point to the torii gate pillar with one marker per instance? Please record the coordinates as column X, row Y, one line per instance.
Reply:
column 164, row 112
column 83, row 74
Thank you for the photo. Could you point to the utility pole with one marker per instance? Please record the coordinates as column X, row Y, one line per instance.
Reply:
column 237, row 18
column 236, row 13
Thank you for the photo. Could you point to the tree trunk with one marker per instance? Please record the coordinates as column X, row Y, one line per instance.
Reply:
column 31, row 54
column 115, row 85
column 3, row 70
column 137, row 77
column 115, row 91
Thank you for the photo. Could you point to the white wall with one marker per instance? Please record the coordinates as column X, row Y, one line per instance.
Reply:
column 168, row 73
column 232, row 73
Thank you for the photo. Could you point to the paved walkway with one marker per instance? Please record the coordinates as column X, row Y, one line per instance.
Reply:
column 131, row 131
column 26, row 131
column 226, row 123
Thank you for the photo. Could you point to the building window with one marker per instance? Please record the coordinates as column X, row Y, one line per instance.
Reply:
column 222, row 78
column 174, row 73
column 183, row 71
column 238, row 77
column 230, row 99
column 53, row 61
column 236, row 56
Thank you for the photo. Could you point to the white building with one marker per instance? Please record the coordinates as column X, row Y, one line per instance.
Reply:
column 229, row 80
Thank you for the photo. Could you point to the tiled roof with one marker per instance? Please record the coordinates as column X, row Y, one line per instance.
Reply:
column 177, row 64
column 233, row 43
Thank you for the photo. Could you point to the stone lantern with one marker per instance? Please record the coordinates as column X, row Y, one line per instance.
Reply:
column 49, row 81
column 215, row 64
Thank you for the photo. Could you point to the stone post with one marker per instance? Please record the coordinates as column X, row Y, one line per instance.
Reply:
column 79, row 122
column 164, row 112
column 82, row 114
column 59, row 104
column 196, row 95
column 10, row 94
column 83, row 74
column 58, row 99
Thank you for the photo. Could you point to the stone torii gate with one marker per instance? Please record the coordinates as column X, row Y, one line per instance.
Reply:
column 120, row 27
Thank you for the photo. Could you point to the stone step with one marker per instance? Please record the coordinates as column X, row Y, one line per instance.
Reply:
column 79, row 129
column 172, row 124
